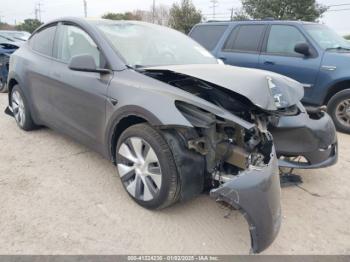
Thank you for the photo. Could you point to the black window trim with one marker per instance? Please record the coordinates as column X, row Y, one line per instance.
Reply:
column 260, row 44
column 314, row 53
column 55, row 24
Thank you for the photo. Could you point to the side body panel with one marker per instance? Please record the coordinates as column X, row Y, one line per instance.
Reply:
column 78, row 101
column 32, row 71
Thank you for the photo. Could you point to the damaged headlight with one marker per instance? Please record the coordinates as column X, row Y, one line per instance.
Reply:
column 277, row 94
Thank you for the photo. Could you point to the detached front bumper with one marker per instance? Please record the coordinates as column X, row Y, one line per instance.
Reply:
column 310, row 136
column 256, row 194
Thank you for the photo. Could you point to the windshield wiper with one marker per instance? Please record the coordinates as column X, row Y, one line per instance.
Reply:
column 136, row 67
column 338, row 48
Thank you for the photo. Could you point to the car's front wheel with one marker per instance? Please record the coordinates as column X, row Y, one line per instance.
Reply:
column 20, row 109
column 147, row 167
column 339, row 110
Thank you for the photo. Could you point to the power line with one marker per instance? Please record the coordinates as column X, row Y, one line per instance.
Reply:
column 337, row 10
column 338, row 5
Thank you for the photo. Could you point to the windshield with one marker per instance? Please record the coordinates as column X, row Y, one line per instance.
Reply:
column 326, row 37
column 142, row 44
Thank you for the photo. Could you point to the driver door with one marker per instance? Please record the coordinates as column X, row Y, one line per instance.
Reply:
column 278, row 55
column 78, row 98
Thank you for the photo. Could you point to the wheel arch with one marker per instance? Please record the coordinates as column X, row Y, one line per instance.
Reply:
column 126, row 117
column 336, row 88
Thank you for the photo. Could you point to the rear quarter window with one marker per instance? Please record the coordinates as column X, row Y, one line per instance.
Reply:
column 208, row 35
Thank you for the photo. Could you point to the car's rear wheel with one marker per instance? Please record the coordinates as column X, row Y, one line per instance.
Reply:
column 339, row 110
column 21, row 110
column 147, row 167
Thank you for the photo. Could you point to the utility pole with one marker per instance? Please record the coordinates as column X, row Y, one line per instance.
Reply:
column 36, row 12
column 232, row 12
column 214, row 5
column 154, row 11
column 85, row 8
column 39, row 11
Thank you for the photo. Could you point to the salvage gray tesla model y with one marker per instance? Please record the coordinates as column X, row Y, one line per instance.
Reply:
column 172, row 119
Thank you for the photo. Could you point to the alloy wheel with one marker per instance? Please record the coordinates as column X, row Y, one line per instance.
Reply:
column 139, row 169
column 18, row 108
column 343, row 112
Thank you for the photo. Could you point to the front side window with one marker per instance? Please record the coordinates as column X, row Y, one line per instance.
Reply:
column 208, row 35
column 74, row 41
column 245, row 38
column 42, row 41
column 283, row 39
column 142, row 44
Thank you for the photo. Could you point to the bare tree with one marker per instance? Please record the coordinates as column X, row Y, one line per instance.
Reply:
column 161, row 14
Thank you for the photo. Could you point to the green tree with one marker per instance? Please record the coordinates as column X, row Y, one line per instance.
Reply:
column 306, row 10
column 122, row 16
column 184, row 16
column 240, row 15
column 29, row 25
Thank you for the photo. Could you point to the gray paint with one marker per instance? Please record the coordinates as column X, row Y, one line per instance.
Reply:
column 256, row 193
column 251, row 83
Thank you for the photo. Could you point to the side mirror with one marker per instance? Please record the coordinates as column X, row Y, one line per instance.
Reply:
column 85, row 63
column 302, row 48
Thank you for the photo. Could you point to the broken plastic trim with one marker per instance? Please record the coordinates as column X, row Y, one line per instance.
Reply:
column 256, row 194
column 8, row 111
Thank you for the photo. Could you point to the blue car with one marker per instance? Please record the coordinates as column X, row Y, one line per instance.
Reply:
column 6, row 49
column 310, row 53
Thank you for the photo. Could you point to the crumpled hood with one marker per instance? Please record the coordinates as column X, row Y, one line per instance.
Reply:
column 251, row 83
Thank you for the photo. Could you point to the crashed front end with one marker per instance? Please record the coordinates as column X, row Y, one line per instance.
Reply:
column 240, row 162
column 241, row 167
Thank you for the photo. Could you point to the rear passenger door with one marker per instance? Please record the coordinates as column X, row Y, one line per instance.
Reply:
column 37, row 64
column 278, row 55
column 242, row 47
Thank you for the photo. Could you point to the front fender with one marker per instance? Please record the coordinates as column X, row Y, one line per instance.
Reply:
column 256, row 194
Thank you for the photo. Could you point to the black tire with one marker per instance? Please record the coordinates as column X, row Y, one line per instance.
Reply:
column 28, row 123
column 3, row 86
column 168, row 192
column 333, row 106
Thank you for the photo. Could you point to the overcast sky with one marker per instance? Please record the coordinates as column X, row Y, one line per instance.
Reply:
column 12, row 11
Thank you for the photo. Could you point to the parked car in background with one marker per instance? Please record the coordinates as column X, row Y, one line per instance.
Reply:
column 10, row 41
column 6, row 49
column 15, row 35
column 310, row 53
column 308, row 136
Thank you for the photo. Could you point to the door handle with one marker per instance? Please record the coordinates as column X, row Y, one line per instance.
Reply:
column 223, row 58
column 113, row 101
column 267, row 62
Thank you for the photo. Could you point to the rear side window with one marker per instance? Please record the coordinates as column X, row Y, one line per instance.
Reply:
column 245, row 38
column 42, row 41
column 208, row 35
